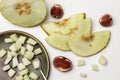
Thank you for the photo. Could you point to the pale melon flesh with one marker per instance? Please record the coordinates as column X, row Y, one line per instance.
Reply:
column 24, row 13
column 59, row 41
column 64, row 26
column 87, row 46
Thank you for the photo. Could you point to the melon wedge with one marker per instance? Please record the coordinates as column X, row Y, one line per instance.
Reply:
column 59, row 41
column 65, row 26
column 84, row 45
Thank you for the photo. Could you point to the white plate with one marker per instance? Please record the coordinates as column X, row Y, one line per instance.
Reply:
column 94, row 9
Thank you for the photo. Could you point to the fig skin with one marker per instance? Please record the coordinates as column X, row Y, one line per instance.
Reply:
column 62, row 63
column 106, row 20
column 57, row 11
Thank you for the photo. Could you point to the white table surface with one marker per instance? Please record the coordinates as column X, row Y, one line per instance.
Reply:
column 94, row 9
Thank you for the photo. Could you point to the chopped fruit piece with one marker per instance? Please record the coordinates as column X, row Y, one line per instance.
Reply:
column 21, row 39
column 94, row 67
column 62, row 63
column 102, row 60
column 19, row 77
column 26, row 62
column 26, row 77
column 81, row 62
column 14, row 62
column 8, row 40
column 29, row 55
column 23, row 72
column 11, row 73
column 2, row 53
column 13, row 47
column 23, row 50
column 31, row 41
column 14, row 37
column 18, row 45
column 84, row 75
column 36, row 63
column 65, row 26
column 5, row 68
column 29, row 47
column 84, row 45
column 37, row 51
column 13, row 54
column 8, row 59
column 56, row 11
column 33, row 76
column 21, row 66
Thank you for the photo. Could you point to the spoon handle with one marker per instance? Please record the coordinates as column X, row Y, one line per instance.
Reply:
column 43, row 75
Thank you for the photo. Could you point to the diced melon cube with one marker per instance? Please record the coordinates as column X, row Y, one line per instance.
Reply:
column 11, row 73
column 102, row 60
column 33, row 76
column 31, row 41
column 14, row 62
column 14, row 37
column 29, row 47
column 29, row 55
column 37, row 51
column 13, row 54
column 23, row 50
column 8, row 40
column 81, row 62
column 36, row 63
column 21, row 66
column 84, row 75
column 2, row 53
column 5, row 68
column 23, row 72
column 26, row 62
column 18, row 45
column 21, row 39
column 94, row 67
column 13, row 47
column 8, row 59
column 19, row 77
column 26, row 77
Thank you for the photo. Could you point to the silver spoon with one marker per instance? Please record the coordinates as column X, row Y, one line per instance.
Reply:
column 42, row 71
column 43, row 74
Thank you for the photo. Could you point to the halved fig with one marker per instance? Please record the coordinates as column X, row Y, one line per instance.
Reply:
column 25, row 13
column 65, row 26
column 87, row 45
column 59, row 41
column 62, row 63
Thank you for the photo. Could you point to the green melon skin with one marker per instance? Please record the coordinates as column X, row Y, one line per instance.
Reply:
column 36, row 16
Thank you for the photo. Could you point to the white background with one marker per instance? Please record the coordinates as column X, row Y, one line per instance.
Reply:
column 93, row 9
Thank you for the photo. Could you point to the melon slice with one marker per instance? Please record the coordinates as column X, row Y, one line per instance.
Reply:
column 65, row 26
column 25, row 13
column 87, row 45
column 59, row 41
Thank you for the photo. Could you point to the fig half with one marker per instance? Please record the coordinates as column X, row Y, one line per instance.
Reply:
column 62, row 63
column 25, row 13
